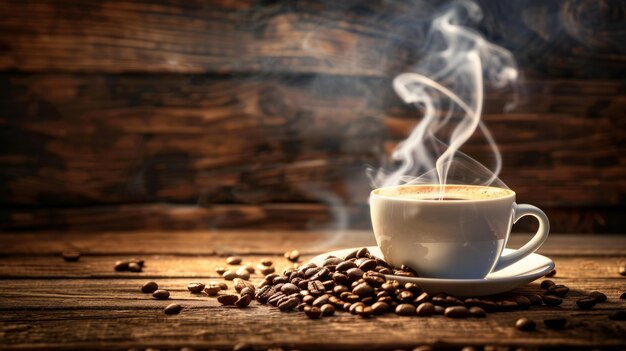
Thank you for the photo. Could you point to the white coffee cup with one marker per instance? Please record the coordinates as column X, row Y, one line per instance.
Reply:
column 458, row 238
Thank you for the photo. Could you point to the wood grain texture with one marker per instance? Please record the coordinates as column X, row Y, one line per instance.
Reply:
column 70, row 141
column 561, row 38
column 77, row 306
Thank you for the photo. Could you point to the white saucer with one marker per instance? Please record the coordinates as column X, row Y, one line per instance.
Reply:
column 520, row 273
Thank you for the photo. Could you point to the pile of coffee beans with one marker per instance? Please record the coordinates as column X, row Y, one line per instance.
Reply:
column 135, row 265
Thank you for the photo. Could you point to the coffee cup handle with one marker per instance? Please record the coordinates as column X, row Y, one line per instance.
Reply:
column 522, row 210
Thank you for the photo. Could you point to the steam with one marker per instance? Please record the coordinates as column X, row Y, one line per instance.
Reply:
column 447, row 85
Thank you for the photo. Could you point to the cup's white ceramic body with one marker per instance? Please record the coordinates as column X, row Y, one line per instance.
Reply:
column 454, row 239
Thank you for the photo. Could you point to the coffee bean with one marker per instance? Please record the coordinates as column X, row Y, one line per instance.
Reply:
column 367, row 265
column 363, row 290
column 405, row 296
column 364, row 252
column 405, row 309
column 488, row 306
column 244, row 301
column 425, row 309
column 227, row 299
column 292, row 255
column 332, row 261
column 546, row 284
column 586, row 303
column 339, row 289
column 341, row 278
column 149, row 287
column 622, row 270
column 248, row 291
column 161, row 294
column 220, row 270
column 477, row 312
column 243, row 273
column 555, row 323
column 364, row 311
column 134, row 267
column 289, row 289
column 355, row 273
column 275, row 298
column 230, row 275
column 313, row 312
column 196, row 287
column 558, row 290
column 266, row 262
column 414, row 288
column 322, row 274
column 439, row 301
column 328, row 310
column 598, row 296
column 71, row 256
column 288, row 304
column 423, row 297
column 388, row 287
column 552, row 273
column 453, row 301
column 374, row 278
column 243, row 347
column 523, row 302
column 456, row 312
column 471, row 302
column 623, row 296
column 322, row 300
column 240, row 284
column 439, row 309
column 380, row 307
column 534, row 299
column 618, row 315
column 121, row 266
column 351, row 255
column 409, row 270
column 316, row 287
column 222, row 285
column 345, row 265
column 525, row 324
column 552, row 300
column 354, row 306
column 507, row 306
column 233, row 260
column 173, row 308
column 469, row 348
column 138, row 261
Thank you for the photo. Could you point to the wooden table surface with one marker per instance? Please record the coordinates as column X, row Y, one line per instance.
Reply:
column 47, row 303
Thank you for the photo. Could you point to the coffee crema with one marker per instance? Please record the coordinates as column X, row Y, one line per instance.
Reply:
column 430, row 192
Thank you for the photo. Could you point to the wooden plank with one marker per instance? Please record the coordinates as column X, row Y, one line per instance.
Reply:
column 205, row 324
column 377, row 38
column 260, row 242
column 171, row 266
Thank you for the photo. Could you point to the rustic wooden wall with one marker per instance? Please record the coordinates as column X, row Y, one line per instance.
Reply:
column 121, row 115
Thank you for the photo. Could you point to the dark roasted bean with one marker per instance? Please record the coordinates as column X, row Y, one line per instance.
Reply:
column 322, row 300
column 227, row 299
column 364, row 252
column 243, row 347
column 329, row 285
column 316, row 287
column 550, row 274
column 429, row 348
column 586, row 303
column 308, row 299
column 341, row 278
column 387, row 299
column 456, row 312
column 173, row 308
column 220, row 270
column 161, row 294
column 247, row 291
column 385, row 271
column 345, row 265
column 552, row 300
column 405, row 296
column 525, row 324
column 439, row 309
column 598, row 296
column 337, row 290
column 149, row 287
column 196, row 287
column 322, row 274
column 471, row 302
column 134, row 267
column 212, row 289
column 405, row 309
column 289, row 289
column 292, row 255
column 423, row 297
column 71, row 256
column 623, row 296
column 622, row 270
column 555, row 323
column 313, row 312
column 374, row 278
column 618, row 315
column 355, row 273
column 275, row 298
column 364, row 311
column 477, row 312
column 534, row 299
column 230, row 275
column 368, row 300
column 351, row 255
column 363, row 290
column 389, row 287
column 301, row 306
column 233, row 260
column 243, row 301
column 367, row 265
column 121, row 266
column 558, row 290
column 289, row 304
column 138, row 261
column 354, row 306
column 439, row 301
column 488, row 306
column 266, row 262
column 266, row 270
column 453, row 301
column 304, row 284
column 239, row 284
column 507, row 306
column 328, row 310
column 332, row 261
column 380, row 307
column 546, row 284
column 414, row 288
column 265, row 293
column 523, row 302
column 352, row 298
column 425, row 309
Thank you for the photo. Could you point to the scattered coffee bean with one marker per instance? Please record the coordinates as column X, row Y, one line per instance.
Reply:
column 550, row 274
column 161, row 294
column 546, row 284
column 149, row 287
column 244, row 301
column 230, row 275
column 534, row 299
column 243, row 273
column 523, row 302
column 623, row 296
column 598, row 296
column 622, row 270
column 439, row 310
column 525, row 324
column 456, row 312
column 196, row 287
column 552, row 300
column 425, row 309
column 288, row 304
column 121, row 266
column 248, row 291
column 477, row 312
column 71, row 256
column 233, row 260
column 134, row 267
column 380, row 307
column 405, row 309
column 220, row 270
column 211, row 289
column 292, row 255
column 227, row 299
column 328, row 310
column 507, row 306
column 222, row 285
column 265, row 270
column 558, row 290
column 586, row 303
column 555, row 323
column 313, row 312
column 173, row 308
column 138, row 261
column 266, row 262
column 241, row 283
column 618, row 315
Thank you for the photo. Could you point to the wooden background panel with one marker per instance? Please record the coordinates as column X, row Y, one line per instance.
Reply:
column 560, row 38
